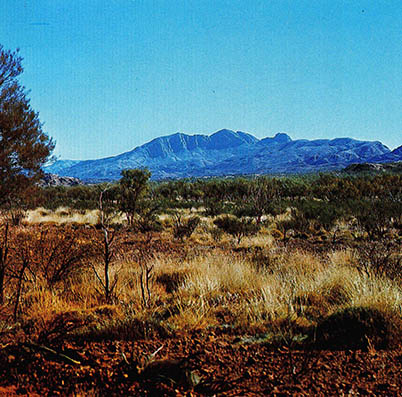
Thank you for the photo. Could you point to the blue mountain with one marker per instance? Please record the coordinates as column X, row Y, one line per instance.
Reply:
column 227, row 152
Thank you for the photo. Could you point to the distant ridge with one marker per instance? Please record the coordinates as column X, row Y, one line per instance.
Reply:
column 374, row 168
column 228, row 152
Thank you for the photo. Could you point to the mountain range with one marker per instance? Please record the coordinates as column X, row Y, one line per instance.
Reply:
column 227, row 152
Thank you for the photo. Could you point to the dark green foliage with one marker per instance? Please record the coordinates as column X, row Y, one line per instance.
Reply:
column 320, row 213
column 213, row 206
column 244, row 210
column 80, row 197
column 132, row 187
column 214, row 196
column 376, row 216
column 311, row 215
column 330, row 187
column 83, row 197
column 296, row 222
column 295, row 187
column 24, row 147
column 146, row 219
column 372, row 203
column 237, row 227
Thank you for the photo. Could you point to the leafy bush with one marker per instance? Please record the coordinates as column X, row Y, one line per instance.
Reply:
column 322, row 213
column 213, row 207
column 376, row 216
column 132, row 187
column 147, row 216
column 295, row 222
column 237, row 227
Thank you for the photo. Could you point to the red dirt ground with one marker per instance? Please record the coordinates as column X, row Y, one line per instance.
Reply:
column 224, row 366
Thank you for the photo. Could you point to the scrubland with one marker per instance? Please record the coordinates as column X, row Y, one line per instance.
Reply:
column 183, row 306
column 282, row 292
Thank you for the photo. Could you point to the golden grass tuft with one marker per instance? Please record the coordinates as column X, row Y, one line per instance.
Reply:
column 63, row 215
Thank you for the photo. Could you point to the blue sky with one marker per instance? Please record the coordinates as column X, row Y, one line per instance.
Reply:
column 109, row 75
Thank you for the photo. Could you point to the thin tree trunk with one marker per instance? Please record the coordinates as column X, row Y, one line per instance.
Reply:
column 2, row 276
column 106, row 259
column 3, row 262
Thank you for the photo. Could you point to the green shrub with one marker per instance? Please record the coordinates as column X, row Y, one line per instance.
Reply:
column 237, row 227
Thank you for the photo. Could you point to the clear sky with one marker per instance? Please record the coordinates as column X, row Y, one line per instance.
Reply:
column 109, row 75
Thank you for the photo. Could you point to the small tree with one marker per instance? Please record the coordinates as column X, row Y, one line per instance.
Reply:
column 24, row 147
column 106, row 246
column 321, row 214
column 214, row 196
column 374, row 216
column 53, row 257
column 133, row 185
column 295, row 221
column 261, row 195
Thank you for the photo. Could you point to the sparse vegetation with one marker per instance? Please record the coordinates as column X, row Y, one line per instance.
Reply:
column 71, row 274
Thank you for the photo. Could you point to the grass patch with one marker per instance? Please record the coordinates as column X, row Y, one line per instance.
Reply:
column 262, row 286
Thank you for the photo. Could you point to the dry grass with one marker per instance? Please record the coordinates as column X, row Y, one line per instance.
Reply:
column 63, row 215
column 300, row 288
column 288, row 289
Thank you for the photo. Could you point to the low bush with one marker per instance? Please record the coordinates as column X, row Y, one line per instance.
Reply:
column 354, row 328
column 184, row 227
column 237, row 227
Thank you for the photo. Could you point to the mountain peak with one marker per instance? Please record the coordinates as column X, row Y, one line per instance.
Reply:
column 282, row 137
column 225, row 139
column 398, row 151
column 224, row 131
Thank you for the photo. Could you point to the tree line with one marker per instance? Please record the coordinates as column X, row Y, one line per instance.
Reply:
column 313, row 201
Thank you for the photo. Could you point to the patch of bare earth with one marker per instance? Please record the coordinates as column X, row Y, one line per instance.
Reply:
column 196, row 364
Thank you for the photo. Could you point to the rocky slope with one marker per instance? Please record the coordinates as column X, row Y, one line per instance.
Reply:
column 56, row 180
column 228, row 152
column 374, row 168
